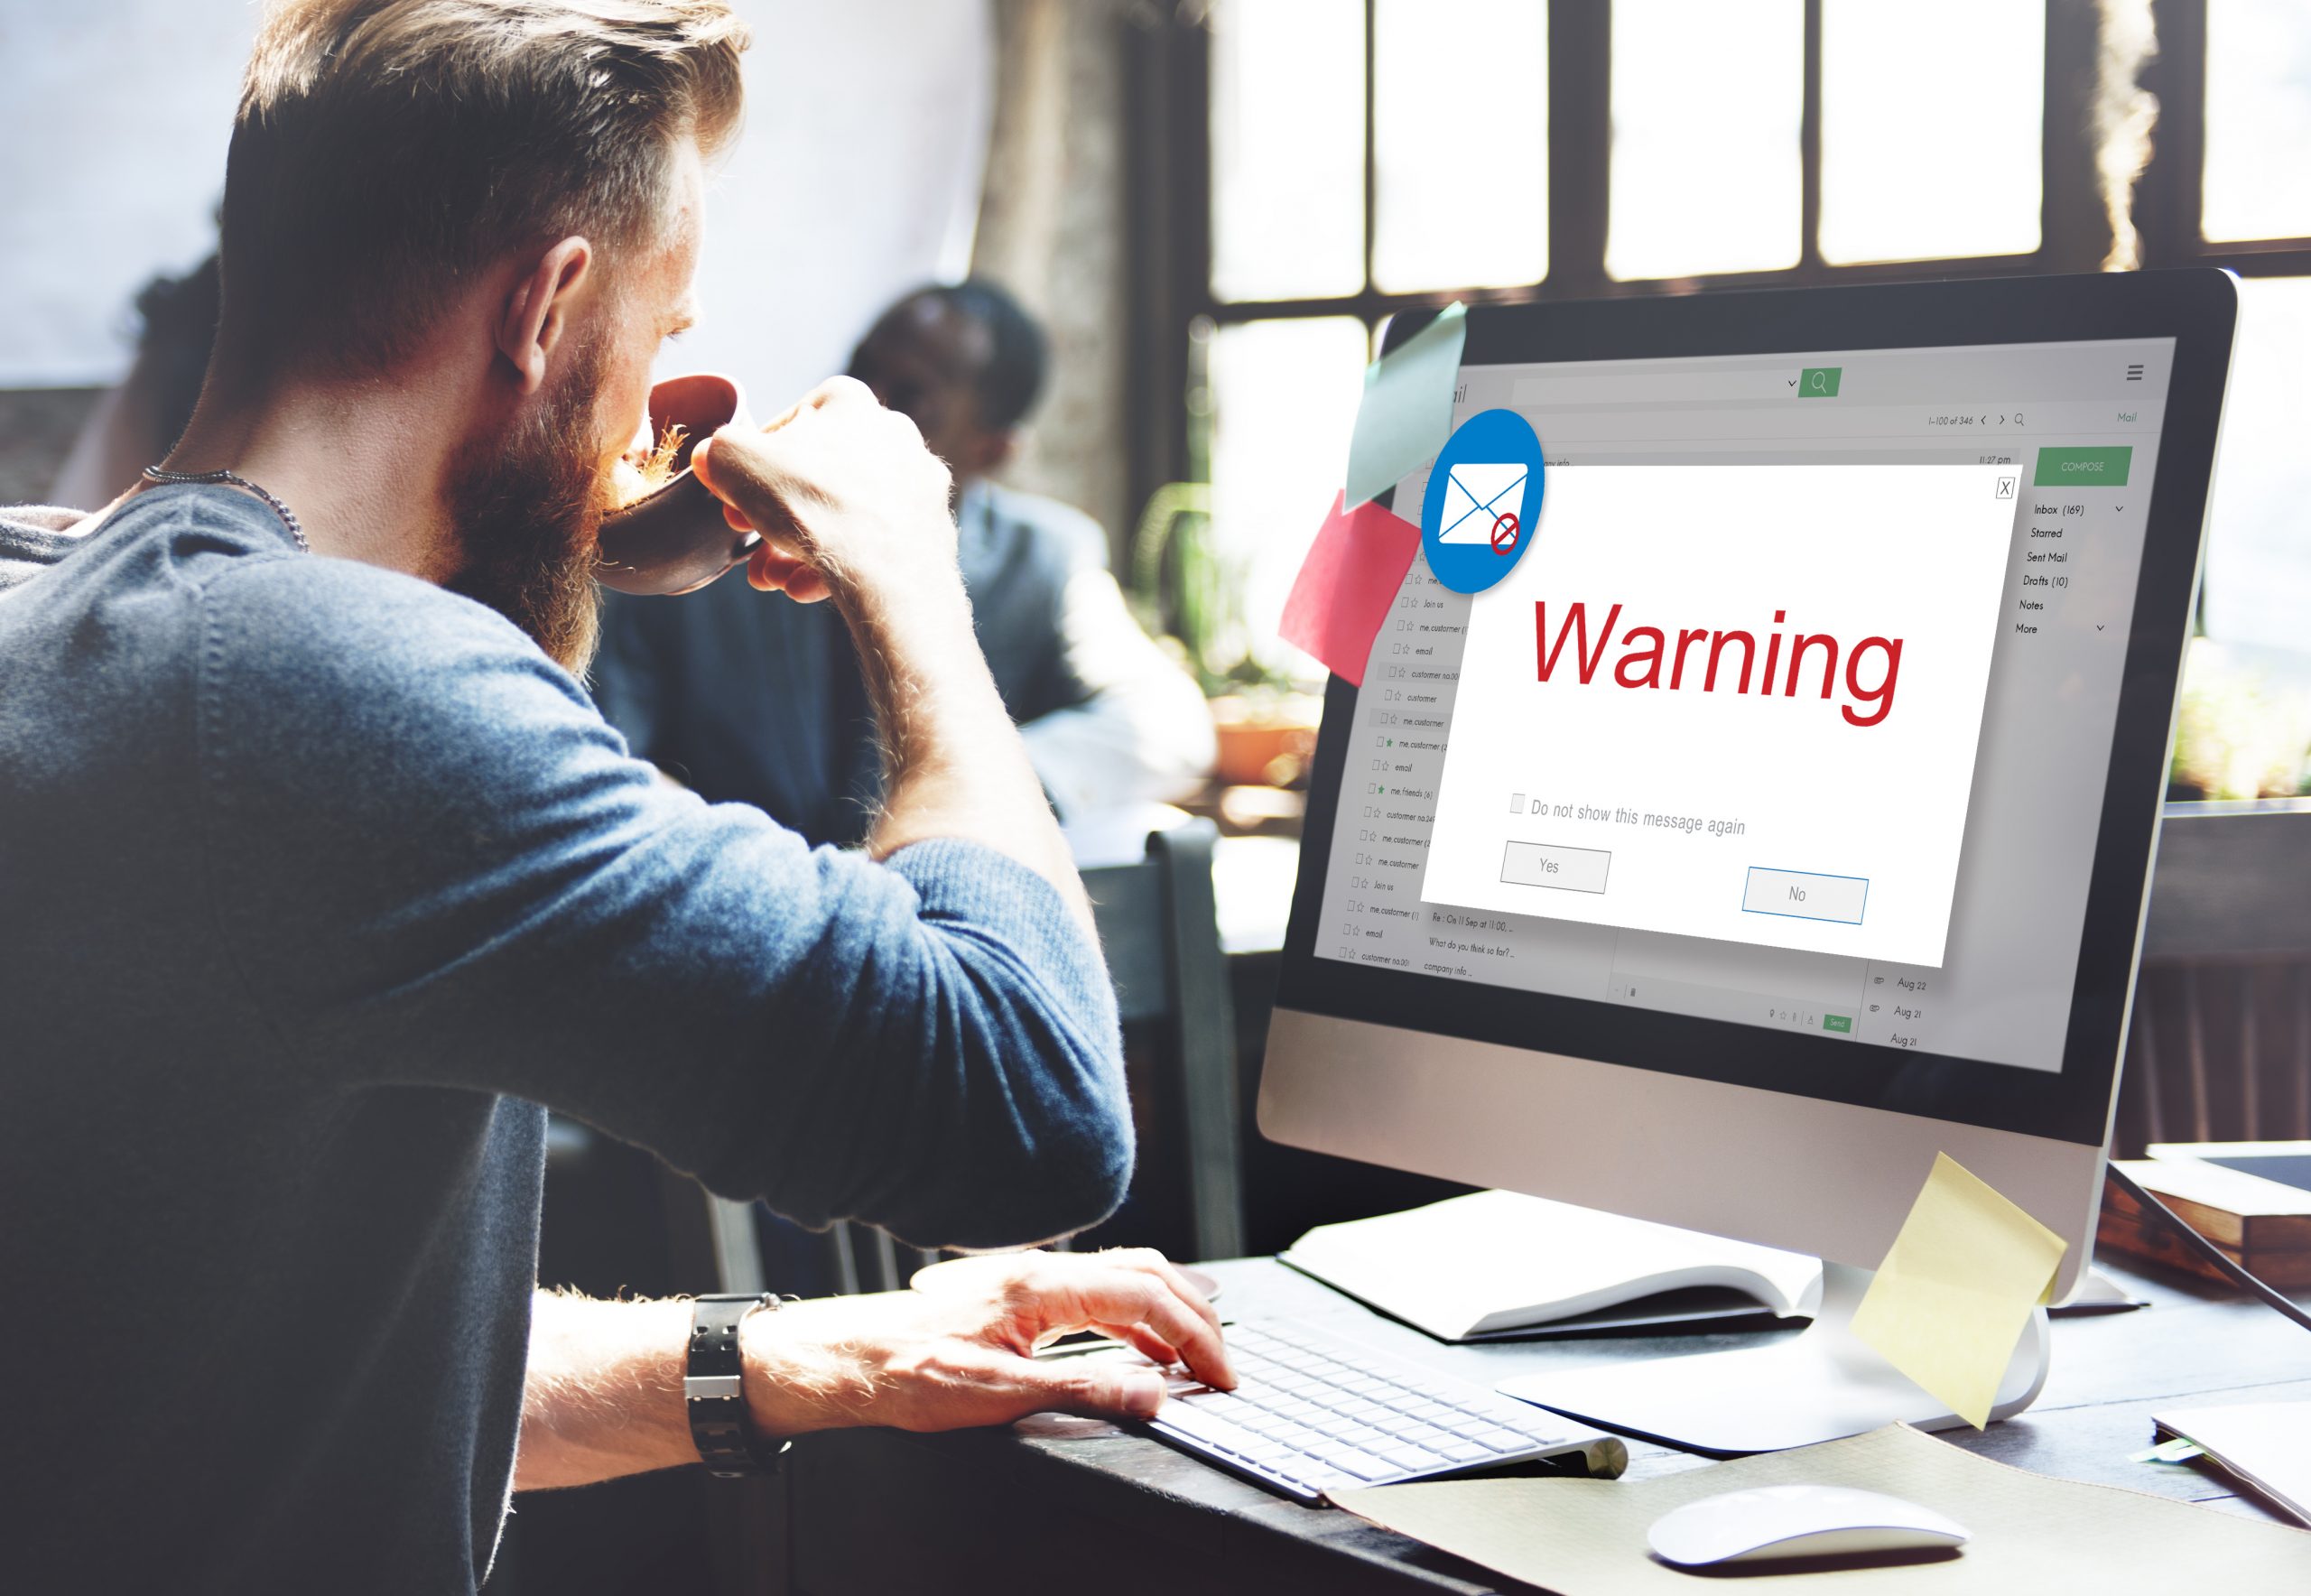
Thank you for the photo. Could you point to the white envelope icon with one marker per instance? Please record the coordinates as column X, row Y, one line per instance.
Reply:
column 1476, row 497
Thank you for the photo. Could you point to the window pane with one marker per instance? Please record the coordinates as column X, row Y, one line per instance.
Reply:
column 1707, row 100
column 1460, row 172
column 2259, row 546
column 2246, row 711
column 2257, row 120
column 1287, row 148
column 1930, row 122
column 1284, row 398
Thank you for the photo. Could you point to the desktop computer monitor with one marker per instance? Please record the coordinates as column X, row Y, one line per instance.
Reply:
column 1588, row 910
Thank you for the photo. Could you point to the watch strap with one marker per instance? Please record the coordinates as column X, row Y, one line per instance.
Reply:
column 711, row 1392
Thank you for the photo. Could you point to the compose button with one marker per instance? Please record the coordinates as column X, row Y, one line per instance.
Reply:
column 1544, row 864
column 2083, row 467
column 1802, row 895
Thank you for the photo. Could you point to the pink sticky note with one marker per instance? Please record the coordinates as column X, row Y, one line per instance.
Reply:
column 1346, row 585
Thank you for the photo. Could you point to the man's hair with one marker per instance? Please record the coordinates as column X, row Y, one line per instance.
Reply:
column 387, row 151
column 1011, row 378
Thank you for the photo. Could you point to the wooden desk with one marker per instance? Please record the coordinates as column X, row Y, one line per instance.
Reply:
column 1060, row 1505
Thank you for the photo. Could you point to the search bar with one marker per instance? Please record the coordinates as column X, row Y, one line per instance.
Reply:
column 1779, row 381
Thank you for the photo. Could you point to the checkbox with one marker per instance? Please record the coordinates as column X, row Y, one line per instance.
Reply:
column 1516, row 803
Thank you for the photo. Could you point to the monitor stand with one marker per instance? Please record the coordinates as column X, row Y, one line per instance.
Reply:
column 1819, row 1384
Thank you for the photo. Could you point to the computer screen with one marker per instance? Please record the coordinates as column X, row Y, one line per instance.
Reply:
column 1796, row 713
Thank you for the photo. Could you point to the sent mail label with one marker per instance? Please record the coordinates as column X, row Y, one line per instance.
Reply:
column 1483, row 498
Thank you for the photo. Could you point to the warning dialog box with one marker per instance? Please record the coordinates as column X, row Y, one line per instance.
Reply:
column 1731, row 702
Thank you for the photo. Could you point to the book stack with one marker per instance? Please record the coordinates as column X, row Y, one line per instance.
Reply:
column 2228, row 1192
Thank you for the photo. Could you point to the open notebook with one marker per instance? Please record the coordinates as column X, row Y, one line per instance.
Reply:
column 1496, row 1264
column 2267, row 1444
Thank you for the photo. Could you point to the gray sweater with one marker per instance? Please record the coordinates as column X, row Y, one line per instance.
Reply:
column 316, row 882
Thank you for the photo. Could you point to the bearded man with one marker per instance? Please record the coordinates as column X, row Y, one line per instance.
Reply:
column 322, row 878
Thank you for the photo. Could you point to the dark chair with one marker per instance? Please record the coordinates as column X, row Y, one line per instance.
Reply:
column 1160, row 934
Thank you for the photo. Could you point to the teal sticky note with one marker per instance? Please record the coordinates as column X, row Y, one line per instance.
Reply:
column 1407, row 409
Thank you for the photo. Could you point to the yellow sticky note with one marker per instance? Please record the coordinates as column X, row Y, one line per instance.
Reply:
column 1956, row 1288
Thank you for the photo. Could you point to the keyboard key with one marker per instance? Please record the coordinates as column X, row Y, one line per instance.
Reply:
column 1426, row 1435
column 1412, row 1457
column 1464, row 1451
column 1500, row 1439
column 1206, row 1427
column 1271, row 1454
column 1539, row 1431
column 1356, row 1461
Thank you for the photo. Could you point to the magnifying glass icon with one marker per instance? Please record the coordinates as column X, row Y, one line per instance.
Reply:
column 1820, row 382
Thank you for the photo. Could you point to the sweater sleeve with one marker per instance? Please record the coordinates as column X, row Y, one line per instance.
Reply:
column 435, row 867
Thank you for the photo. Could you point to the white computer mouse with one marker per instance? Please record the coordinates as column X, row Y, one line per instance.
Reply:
column 1798, row 1521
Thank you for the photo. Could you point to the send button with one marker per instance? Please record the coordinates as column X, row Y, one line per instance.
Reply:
column 1801, row 896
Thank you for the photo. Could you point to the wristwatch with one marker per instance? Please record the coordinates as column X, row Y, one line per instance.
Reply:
column 726, row 1438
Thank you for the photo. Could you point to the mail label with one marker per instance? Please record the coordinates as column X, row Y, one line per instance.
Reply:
column 1483, row 501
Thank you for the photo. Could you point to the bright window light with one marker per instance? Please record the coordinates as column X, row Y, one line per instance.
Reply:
column 1461, row 169
column 1284, row 398
column 2257, row 120
column 1930, row 129
column 1287, row 149
column 1707, row 100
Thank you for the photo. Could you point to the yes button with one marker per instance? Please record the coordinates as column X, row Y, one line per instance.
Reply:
column 1802, row 895
column 1549, row 864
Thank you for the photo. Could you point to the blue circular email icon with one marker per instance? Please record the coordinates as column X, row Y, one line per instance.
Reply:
column 1483, row 498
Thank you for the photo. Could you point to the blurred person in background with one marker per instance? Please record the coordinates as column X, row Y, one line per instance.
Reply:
column 1110, row 722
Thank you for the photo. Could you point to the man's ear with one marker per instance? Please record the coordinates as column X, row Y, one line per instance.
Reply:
column 536, row 312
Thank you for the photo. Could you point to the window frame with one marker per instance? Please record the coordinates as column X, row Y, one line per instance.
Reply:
column 1170, row 114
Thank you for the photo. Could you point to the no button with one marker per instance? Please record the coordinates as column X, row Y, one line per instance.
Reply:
column 1800, row 894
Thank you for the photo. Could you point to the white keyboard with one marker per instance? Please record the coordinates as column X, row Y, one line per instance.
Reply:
column 1313, row 1413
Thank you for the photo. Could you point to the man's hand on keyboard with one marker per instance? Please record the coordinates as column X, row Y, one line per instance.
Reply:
column 959, row 1348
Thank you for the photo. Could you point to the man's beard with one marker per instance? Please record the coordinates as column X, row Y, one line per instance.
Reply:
column 527, row 509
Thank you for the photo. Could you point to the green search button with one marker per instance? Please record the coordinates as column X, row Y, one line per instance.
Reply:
column 1819, row 382
column 1837, row 1022
column 2083, row 467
